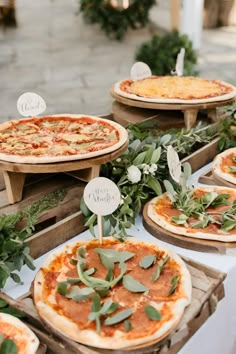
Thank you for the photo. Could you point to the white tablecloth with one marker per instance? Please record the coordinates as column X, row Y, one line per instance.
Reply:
column 218, row 333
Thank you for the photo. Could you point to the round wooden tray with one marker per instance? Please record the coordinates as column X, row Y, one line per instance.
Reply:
column 195, row 244
column 169, row 106
column 221, row 181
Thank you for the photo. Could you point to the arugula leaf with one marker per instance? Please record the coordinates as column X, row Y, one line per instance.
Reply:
column 180, row 219
column 159, row 268
column 232, row 169
column 152, row 313
column 119, row 317
column 147, row 261
column 133, row 285
column 174, row 283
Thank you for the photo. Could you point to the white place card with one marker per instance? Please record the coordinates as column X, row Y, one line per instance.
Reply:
column 140, row 71
column 174, row 164
column 30, row 104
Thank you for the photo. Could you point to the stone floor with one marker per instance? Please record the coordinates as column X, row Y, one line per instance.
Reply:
column 72, row 65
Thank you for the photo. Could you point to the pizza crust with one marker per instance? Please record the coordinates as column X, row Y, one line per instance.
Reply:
column 216, row 167
column 224, row 97
column 27, row 335
column 181, row 230
column 123, row 137
column 119, row 340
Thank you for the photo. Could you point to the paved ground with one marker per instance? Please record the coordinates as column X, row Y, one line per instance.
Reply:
column 73, row 65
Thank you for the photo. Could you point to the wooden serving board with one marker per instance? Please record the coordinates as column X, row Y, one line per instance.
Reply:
column 210, row 178
column 190, row 110
column 192, row 243
column 207, row 291
column 14, row 174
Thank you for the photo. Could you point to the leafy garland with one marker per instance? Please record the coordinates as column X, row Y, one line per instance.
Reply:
column 14, row 230
column 115, row 21
column 140, row 171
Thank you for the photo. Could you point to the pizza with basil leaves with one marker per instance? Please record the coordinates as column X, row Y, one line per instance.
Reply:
column 115, row 295
column 59, row 138
column 16, row 337
column 224, row 165
column 175, row 89
column 204, row 212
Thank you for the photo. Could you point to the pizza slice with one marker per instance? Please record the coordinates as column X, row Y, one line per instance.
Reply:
column 115, row 295
column 204, row 212
column 16, row 337
column 224, row 165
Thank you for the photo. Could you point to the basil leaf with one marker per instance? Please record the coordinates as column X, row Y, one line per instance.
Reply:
column 108, row 307
column 128, row 326
column 174, row 283
column 180, row 219
column 107, row 262
column 152, row 313
column 133, row 285
column 119, row 317
column 8, row 347
column 147, row 261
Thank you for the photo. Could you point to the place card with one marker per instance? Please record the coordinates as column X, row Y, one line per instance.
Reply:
column 140, row 71
column 179, row 66
column 102, row 197
column 30, row 104
column 174, row 164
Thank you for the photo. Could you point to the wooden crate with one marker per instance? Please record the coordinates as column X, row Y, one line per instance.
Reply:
column 55, row 225
column 208, row 290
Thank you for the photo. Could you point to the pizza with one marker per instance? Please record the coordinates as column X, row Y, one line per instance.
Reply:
column 115, row 295
column 175, row 89
column 16, row 335
column 224, row 165
column 59, row 138
column 209, row 214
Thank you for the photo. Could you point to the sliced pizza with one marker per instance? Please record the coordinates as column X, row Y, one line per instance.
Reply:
column 115, row 295
column 175, row 89
column 205, row 213
column 224, row 165
column 16, row 337
column 59, row 138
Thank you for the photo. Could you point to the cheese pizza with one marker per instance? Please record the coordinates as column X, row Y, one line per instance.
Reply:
column 16, row 337
column 224, row 165
column 115, row 295
column 59, row 138
column 209, row 214
column 175, row 89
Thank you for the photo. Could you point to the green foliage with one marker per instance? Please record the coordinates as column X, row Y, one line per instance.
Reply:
column 116, row 21
column 227, row 127
column 160, row 53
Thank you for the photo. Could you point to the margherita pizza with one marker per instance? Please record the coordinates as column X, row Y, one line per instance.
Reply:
column 59, row 138
column 114, row 295
column 209, row 214
column 224, row 165
column 175, row 89
column 16, row 336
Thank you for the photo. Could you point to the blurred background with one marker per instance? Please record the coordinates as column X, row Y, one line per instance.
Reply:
column 72, row 52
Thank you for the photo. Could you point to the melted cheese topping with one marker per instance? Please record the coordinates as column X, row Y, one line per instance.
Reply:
column 174, row 87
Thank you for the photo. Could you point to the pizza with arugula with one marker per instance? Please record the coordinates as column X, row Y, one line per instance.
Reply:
column 175, row 89
column 224, row 165
column 115, row 295
column 203, row 212
column 59, row 138
column 16, row 337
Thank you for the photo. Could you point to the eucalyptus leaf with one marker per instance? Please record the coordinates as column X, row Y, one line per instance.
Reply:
column 153, row 184
column 133, row 285
column 156, row 155
column 83, row 207
column 147, row 261
column 80, row 294
column 159, row 268
column 139, row 158
column 96, row 304
column 152, row 313
column 119, row 317
column 174, row 283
